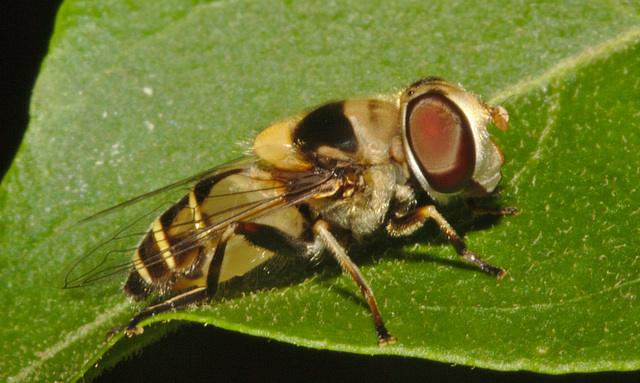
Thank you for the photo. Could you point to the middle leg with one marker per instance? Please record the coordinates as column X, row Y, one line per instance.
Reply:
column 321, row 228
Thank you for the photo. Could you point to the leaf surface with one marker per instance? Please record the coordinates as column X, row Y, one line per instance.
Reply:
column 135, row 96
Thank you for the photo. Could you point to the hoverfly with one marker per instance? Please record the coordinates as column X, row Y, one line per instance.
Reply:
column 343, row 170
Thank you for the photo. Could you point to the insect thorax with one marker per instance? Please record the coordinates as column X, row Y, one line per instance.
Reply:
column 365, row 199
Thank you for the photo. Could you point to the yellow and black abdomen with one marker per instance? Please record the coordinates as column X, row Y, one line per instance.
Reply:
column 177, row 250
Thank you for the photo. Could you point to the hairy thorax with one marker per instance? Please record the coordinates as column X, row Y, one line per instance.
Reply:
column 361, row 205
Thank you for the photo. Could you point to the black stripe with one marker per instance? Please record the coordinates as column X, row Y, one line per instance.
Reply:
column 186, row 229
column 166, row 219
column 326, row 126
column 202, row 188
column 136, row 287
column 185, row 252
column 152, row 259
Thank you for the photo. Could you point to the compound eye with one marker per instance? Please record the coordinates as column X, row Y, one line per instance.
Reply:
column 441, row 140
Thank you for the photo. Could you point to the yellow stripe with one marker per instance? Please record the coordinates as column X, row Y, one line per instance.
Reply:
column 161, row 239
column 197, row 214
column 142, row 270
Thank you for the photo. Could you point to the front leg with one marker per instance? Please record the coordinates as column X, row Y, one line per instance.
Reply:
column 407, row 224
column 473, row 206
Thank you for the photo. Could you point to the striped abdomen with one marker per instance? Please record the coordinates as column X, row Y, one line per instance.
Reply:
column 176, row 251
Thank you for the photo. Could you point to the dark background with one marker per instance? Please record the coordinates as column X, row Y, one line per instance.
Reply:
column 195, row 352
column 25, row 29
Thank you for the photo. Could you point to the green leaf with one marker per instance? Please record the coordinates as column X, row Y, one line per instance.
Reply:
column 134, row 96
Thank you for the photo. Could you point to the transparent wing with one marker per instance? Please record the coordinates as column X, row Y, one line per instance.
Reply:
column 239, row 162
column 176, row 231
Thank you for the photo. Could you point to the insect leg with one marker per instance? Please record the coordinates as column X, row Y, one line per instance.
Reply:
column 260, row 235
column 132, row 328
column 264, row 236
column 407, row 224
column 271, row 238
column 322, row 230
column 196, row 295
column 509, row 210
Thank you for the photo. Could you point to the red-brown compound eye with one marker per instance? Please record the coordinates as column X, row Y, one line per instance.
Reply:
column 441, row 141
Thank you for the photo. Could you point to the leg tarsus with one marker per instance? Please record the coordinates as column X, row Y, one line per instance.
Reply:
column 485, row 266
column 507, row 210
column 133, row 328
column 384, row 338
